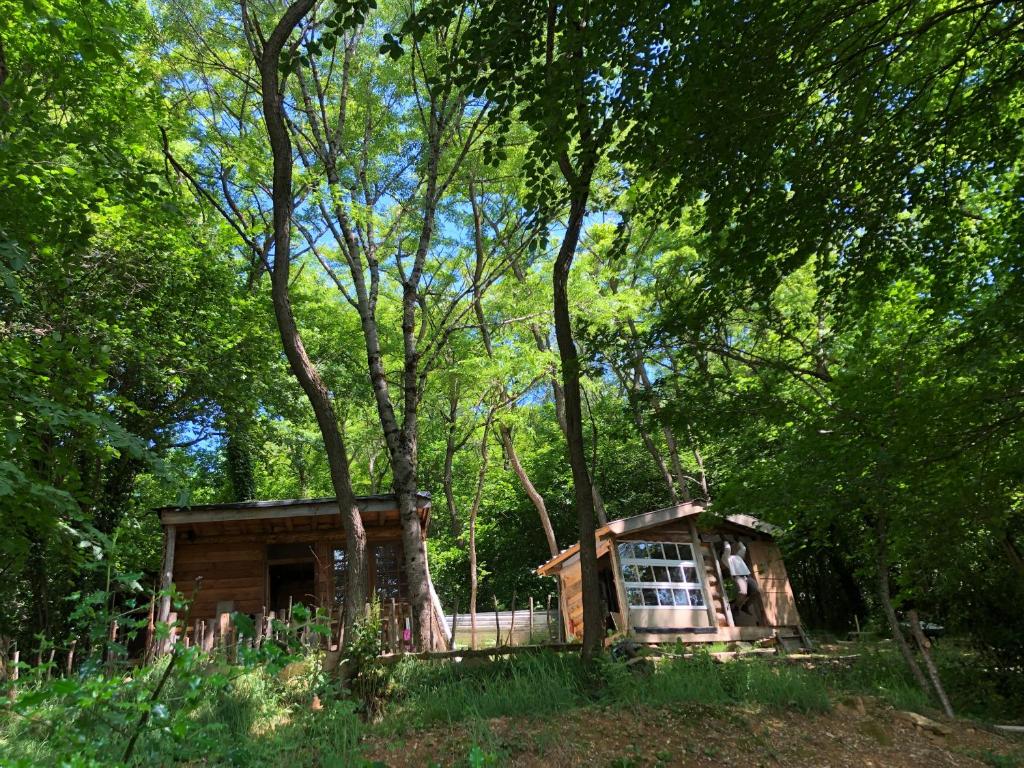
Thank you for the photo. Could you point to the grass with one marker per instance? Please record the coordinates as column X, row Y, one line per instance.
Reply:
column 254, row 718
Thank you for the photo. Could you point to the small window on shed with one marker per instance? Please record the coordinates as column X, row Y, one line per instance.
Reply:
column 391, row 578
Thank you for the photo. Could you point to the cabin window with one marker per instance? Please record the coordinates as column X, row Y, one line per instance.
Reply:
column 391, row 578
column 661, row 574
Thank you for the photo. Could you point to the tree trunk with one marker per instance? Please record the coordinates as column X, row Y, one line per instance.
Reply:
column 593, row 626
column 449, row 458
column 473, row 512
column 298, row 359
column 531, row 491
column 933, row 672
column 885, row 598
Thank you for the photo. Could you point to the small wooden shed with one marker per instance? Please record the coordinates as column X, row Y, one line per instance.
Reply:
column 261, row 556
column 662, row 579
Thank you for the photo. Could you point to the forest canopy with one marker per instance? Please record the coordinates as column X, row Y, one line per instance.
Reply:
column 553, row 264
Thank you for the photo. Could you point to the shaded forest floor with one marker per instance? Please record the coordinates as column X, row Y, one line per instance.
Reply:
column 865, row 732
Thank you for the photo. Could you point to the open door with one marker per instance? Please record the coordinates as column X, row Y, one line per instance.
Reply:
column 291, row 576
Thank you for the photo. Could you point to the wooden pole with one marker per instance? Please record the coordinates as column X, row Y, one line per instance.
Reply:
column 547, row 618
column 512, row 624
column 49, row 663
column 69, row 666
column 208, row 636
column 455, row 621
column 166, row 579
column 150, row 629
column 261, row 619
column 497, row 624
column 530, row 640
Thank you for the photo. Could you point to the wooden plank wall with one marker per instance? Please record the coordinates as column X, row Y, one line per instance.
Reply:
column 230, row 571
column 770, row 572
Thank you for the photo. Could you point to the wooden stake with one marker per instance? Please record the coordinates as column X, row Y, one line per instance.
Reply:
column 512, row 624
column 455, row 621
column 150, row 629
column 531, row 622
column 208, row 631
column 259, row 625
column 16, row 670
column 69, row 666
column 49, row 663
column 497, row 624
column 547, row 618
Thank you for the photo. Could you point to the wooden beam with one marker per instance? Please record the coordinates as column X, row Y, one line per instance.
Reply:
column 698, row 555
column 620, row 587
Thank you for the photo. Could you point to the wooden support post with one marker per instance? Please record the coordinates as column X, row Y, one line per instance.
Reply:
column 288, row 621
column 166, row 578
column 15, row 670
column 49, row 663
column 721, row 586
column 150, row 630
column 702, row 571
column 208, row 635
column 620, row 586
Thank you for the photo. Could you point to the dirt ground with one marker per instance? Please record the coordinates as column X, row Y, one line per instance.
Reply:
column 860, row 732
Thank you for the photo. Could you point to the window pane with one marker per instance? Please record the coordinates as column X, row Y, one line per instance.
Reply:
column 675, row 573
column 685, row 552
column 664, row 596
column 696, row 597
column 650, row 596
column 654, row 551
column 660, row 573
column 639, row 549
column 631, row 573
column 646, row 572
column 391, row 577
column 690, row 574
column 670, row 551
column 625, row 551
column 635, row 596
column 680, row 597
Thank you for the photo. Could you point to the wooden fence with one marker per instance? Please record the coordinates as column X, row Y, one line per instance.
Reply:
column 505, row 627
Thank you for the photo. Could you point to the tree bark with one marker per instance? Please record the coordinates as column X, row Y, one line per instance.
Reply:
column 473, row 512
column 531, row 491
column 933, row 671
column 885, row 598
column 593, row 625
column 298, row 359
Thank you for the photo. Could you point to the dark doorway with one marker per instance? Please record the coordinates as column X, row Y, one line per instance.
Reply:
column 292, row 580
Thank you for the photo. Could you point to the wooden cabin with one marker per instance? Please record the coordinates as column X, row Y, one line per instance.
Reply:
column 662, row 580
column 261, row 556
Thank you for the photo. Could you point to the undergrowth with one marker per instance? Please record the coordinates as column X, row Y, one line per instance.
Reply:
column 213, row 713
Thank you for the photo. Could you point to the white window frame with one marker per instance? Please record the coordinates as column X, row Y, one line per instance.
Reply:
column 628, row 557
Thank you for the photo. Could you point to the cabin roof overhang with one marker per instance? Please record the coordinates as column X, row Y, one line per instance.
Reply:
column 648, row 520
column 285, row 509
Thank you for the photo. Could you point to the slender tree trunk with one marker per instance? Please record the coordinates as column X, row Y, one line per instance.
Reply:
column 302, row 367
column 593, row 625
column 645, row 436
column 473, row 512
column 531, row 491
column 449, row 458
column 885, row 598
column 933, row 672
